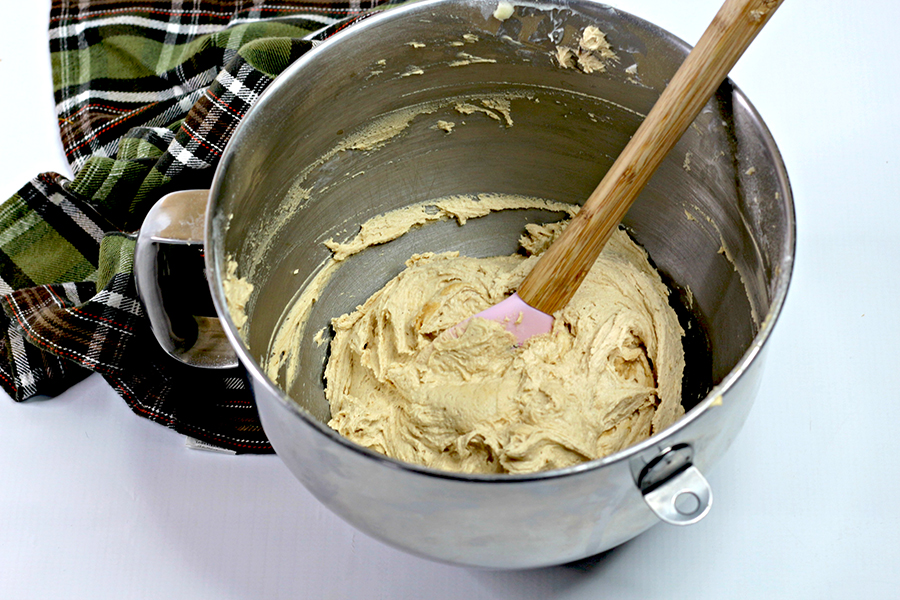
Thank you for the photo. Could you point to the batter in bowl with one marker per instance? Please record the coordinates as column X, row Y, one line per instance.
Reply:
column 607, row 376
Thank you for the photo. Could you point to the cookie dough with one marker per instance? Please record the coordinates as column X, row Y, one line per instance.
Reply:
column 593, row 54
column 607, row 376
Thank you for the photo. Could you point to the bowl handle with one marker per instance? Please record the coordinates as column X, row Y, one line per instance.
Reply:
column 171, row 282
column 674, row 488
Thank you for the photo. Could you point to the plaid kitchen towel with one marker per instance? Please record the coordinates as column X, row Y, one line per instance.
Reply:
column 147, row 95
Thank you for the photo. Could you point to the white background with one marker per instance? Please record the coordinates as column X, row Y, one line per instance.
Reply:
column 98, row 503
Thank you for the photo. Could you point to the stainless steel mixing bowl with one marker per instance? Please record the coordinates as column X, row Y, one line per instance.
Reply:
column 717, row 219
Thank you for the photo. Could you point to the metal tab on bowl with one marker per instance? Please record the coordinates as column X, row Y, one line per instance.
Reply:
column 674, row 488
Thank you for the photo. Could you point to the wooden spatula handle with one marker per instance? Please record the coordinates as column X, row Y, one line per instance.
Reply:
column 559, row 272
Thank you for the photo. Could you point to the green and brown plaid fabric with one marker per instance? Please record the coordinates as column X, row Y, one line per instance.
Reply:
column 147, row 94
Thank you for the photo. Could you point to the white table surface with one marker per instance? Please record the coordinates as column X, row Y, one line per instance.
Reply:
column 98, row 503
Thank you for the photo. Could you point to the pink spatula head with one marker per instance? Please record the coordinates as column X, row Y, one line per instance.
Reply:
column 555, row 277
column 519, row 318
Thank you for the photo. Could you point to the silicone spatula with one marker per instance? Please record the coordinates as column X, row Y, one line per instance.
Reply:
column 562, row 267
